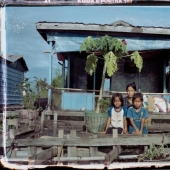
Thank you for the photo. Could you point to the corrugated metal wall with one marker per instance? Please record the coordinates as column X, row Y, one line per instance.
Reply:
column 12, row 77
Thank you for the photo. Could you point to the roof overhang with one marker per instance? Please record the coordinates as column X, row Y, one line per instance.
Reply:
column 123, row 27
column 76, row 32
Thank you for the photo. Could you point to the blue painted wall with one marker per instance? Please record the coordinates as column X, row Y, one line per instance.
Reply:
column 12, row 77
column 77, row 100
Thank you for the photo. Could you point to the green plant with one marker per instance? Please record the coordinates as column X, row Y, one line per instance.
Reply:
column 38, row 88
column 111, row 50
column 154, row 152
column 104, row 104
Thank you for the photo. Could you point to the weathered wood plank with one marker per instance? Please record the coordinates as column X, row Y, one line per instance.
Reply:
column 67, row 113
column 43, row 155
column 89, row 142
column 70, row 123
column 60, row 151
column 115, row 133
column 32, row 152
column 93, row 151
column 72, row 151
column 159, row 126
column 24, row 130
column 113, row 154
column 55, row 124
column 83, row 152
column 80, row 158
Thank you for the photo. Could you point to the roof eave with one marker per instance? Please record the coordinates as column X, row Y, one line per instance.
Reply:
column 44, row 26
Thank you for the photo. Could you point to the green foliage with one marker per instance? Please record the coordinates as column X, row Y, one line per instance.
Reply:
column 28, row 100
column 137, row 60
column 41, row 88
column 111, row 63
column 91, row 64
column 57, row 80
column 104, row 104
column 89, row 44
column 110, row 50
column 154, row 152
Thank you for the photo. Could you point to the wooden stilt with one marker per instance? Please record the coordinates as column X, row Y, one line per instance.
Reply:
column 32, row 153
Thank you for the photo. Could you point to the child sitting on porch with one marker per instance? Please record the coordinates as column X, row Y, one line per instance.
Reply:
column 116, row 115
column 137, row 115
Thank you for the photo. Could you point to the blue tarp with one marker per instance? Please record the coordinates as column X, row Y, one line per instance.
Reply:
column 71, row 42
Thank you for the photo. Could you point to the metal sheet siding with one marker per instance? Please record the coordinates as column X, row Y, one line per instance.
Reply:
column 76, row 101
column 12, row 78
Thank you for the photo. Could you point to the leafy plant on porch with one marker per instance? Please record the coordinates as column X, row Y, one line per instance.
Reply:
column 31, row 92
column 38, row 88
column 155, row 152
column 111, row 50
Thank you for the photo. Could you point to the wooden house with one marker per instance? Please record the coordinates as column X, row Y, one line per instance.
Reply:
column 151, row 42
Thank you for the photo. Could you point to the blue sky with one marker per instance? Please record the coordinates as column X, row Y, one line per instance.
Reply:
column 22, row 37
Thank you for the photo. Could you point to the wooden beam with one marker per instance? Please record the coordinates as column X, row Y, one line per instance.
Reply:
column 80, row 158
column 24, row 130
column 44, row 155
column 72, row 151
column 113, row 154
column 89, row 142
column 55, row 124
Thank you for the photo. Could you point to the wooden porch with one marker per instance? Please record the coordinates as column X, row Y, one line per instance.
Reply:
column 81, row 147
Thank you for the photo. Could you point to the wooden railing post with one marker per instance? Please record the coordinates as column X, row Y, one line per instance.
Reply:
column 115, row 133
column 72, row 151
column 55, row 124
column 60, row 150
column 30, row 118
column 42, row 120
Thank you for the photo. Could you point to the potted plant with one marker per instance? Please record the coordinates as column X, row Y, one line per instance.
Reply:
column 111, row 50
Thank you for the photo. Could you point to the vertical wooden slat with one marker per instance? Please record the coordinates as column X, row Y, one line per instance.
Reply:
column 93, row 151
column 72, row 151
column 42, row 120
column 115, row 133
column 60, row 135
column 55, row 124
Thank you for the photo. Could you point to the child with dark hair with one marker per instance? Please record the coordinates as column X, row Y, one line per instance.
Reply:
column 130, row 89
column 116, row 115
column 137, row 115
